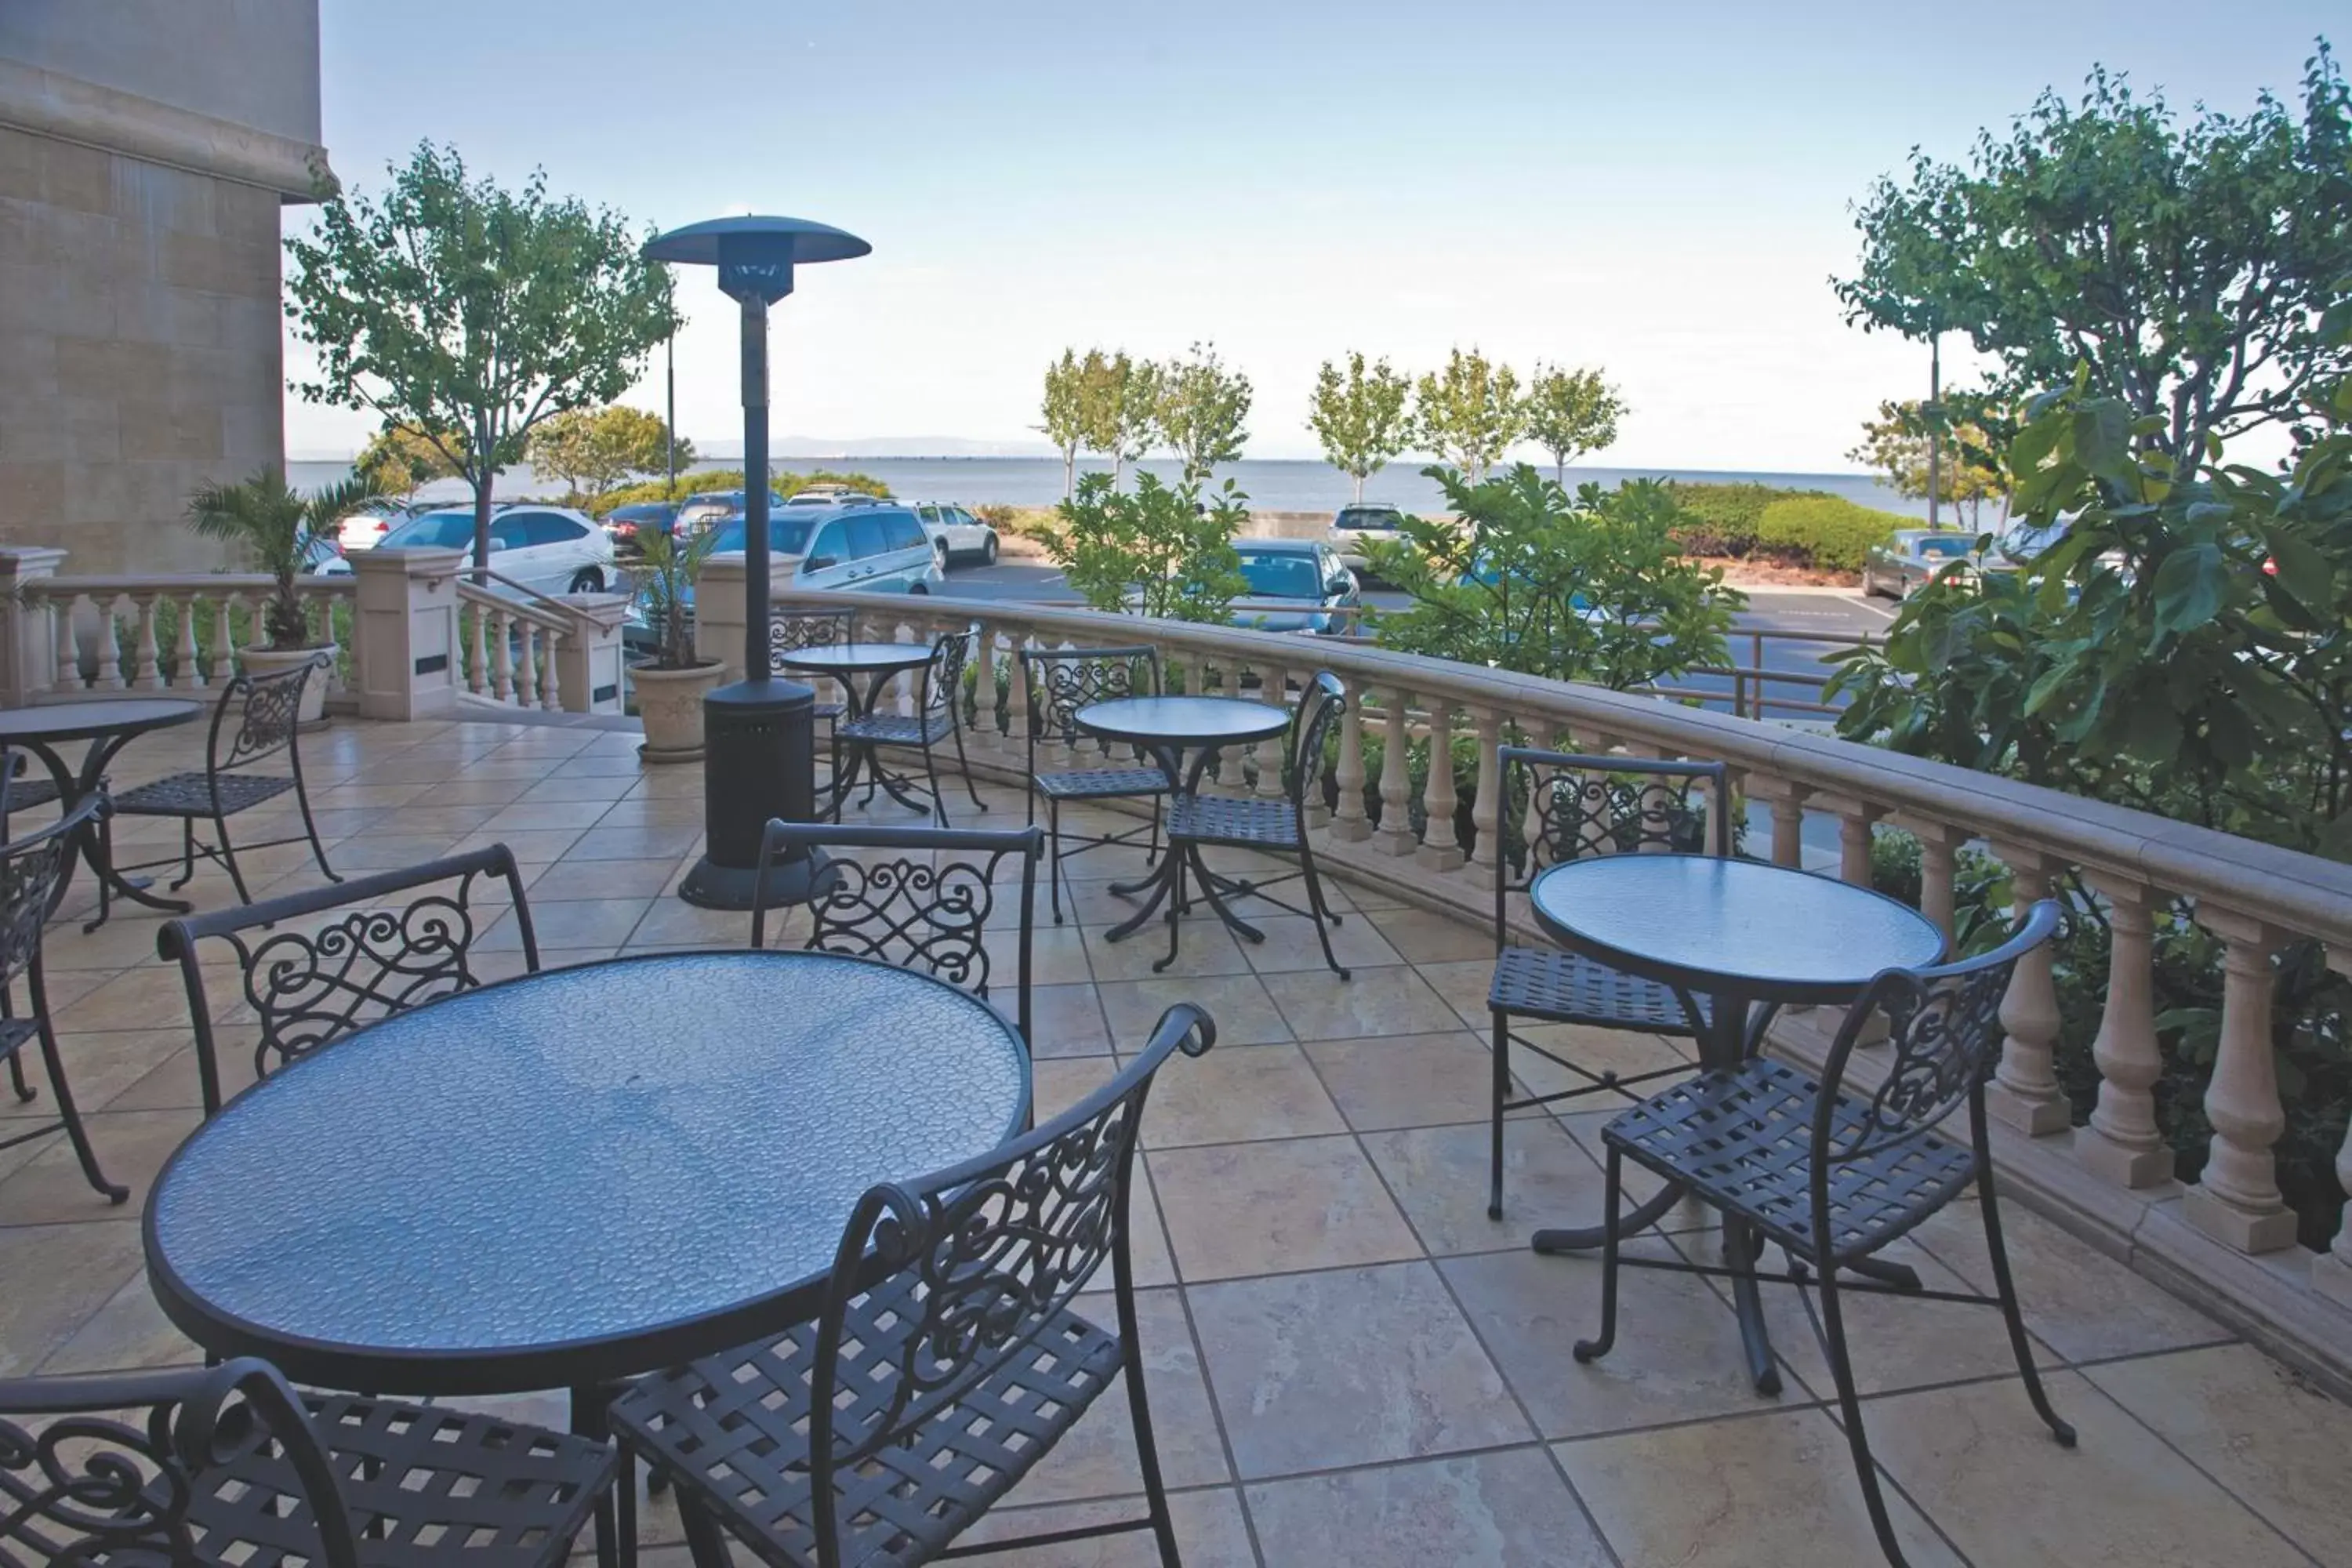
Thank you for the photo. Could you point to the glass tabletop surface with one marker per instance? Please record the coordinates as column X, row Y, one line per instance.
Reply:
column 1735, row 919
column 74, row 720
column 582, row 1154
column 1196, row 721
column 855, row 656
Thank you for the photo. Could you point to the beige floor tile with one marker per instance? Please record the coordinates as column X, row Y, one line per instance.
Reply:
column 1237, row 1093
column 1067, row 1021
column 671, row 922
column 126, row 942
column 2254, row 1426
column 131, row 1146
column 1349, row 1367
column 1244, row 1015
column 1209, row 1533
column 1439, row 1176
column 1507, row 1509
column 1433, row 938
column 1765, row 1491
column 1097, row 1458
column 1984, row 1467
column 388, row 852
column 129, row 1333
column 545, row 816
column 1319, row 1005
column 1290, row 944
column 1238, row 1209
column 1057, row 1083
column 2085, row 1305
column 533, row 845
column 1677, row 1356
column 610, row 842
column 448, row 822
column 79, row 1268
column 152, row 996
column 1057, row 957
column 1464, row 984
column 572, row 783
column 1625, row 1052
column 576, row 879
column 100, row 1070
column 1406, row 1081
column 1204, row 949
column 570, row 922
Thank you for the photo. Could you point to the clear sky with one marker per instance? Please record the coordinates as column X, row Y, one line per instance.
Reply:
column 1660, row 189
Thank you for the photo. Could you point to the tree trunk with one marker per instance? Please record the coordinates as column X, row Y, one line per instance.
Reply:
column 1069, row 472
column 482, row 528
column 1359, row 489
column 1560, row 470
column 1117, row 471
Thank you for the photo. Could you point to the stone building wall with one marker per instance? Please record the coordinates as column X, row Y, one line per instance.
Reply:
column 140, row 327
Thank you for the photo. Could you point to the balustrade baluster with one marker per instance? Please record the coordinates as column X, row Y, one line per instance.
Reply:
column 477, row 656
column 2025, row 1091
column 2331, row 1271
column 1016, row 705
column 1395, row 835
column 526, row 682
column 1785, row 802
column 188, row 676
column 1273, row 690
column 985, row 733
column 69, row 656
column 2236, row 1198
column 1486, row 804
column 501, row 656
column 256, row 633
column 1440, row 849
column 2122, row 1144
column 109, row 650
column 148, row 662
column 1349, row 822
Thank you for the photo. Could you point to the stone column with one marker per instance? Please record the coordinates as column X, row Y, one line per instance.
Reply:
column 28, row 641
column 589, row 660
column 2122, row 1144
column 2025, row 1091
column 406, row 655
column 719, row 612
column 2236, row 1200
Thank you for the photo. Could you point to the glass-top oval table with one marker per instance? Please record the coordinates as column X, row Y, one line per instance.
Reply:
column 1165, row 727
column 1744, row 935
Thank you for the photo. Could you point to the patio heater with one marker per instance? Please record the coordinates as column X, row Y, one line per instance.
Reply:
column 760, row 740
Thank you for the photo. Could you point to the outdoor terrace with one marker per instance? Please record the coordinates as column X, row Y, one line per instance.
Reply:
column 1350, row 1363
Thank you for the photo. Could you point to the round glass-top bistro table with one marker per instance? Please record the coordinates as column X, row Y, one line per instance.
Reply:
column 846, row 663
column 108, row 727
column 1740, row 934
column 1165, row 727
column 573, row 1177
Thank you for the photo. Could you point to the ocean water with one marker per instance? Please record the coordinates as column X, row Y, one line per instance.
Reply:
column 1271, row 485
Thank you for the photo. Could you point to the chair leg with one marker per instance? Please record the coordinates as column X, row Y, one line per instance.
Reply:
column 2007, row 1288
column 71, row 1116
column 25, row 1090
column 187, row 853
column 310, row 826
column 1594, row 1348
column 1502, row 1091
column 1175, row 905
column 706, row 1543
column 939, row 801
column 228, row 858
column 1147, row 1459
column 1315, row 904
column 1054, row 849
column 1849, row 1407
column 963, row 765
column 1151, row 847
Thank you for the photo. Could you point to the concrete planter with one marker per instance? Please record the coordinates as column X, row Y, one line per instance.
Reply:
column 669, row 702
column 260, row 661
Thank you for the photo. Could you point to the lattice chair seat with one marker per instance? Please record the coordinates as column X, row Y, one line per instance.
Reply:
column 190, row 795
column 24, row 793
column 1222, row 819
column 830, row 712
column 900, row 728
column 744, row 1415
column 1537, row 983
column 1742, row 1140
column 1101, row 784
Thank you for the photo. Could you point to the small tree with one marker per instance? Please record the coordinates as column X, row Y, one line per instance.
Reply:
column 1360, row 417
column 401, row 462
column 456, row 307
column 1570, row 414
column 1970, row 470
column 1160, row 550
column 268, row 519
column 1197, row 407
column 1470, row 414
column 1119, row 398
column 1590, row 587
column 593, row 450
column 667, row 572
column 1065, row 412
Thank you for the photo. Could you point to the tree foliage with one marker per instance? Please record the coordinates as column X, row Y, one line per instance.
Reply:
column 1360, row 417
column 1970, row 470
column 1469, row 414
column 1572, row 414
column 267, row 517
column 400, row 462
column 785, row 485
column 2187, row 265
column 593, row 450
column 456, row 306
column 1119, row 407
column 1161, row 550
column 1585, row 587
column 1198, row 410
column 1065, row 411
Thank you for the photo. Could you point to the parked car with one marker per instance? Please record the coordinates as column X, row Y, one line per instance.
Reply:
column 316, row 553
column 956, row 532
column 873, row 549
column 365, row 529
column 544, row 549
column 627, row 525
column 1365, row 522
column 699, row 510
column 1914, row 557
column 1296, row 585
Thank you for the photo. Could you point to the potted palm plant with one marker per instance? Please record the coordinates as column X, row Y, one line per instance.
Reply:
column 671, row 685
column 276, row 524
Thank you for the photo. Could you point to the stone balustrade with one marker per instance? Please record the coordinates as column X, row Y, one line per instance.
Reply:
column 2228, row 1240
column 137, row 636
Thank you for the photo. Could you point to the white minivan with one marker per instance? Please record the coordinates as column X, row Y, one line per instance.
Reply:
column 873, row 549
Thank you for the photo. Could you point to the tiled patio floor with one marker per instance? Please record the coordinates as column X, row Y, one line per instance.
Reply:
column 1350, row 1363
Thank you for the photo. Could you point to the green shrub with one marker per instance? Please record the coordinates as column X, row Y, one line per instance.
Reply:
column 787, row 484
column 1829, row 531
column 1721, row 518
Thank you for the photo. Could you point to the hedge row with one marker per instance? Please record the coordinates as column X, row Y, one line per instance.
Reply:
column 786, row 485
column 1797, row 528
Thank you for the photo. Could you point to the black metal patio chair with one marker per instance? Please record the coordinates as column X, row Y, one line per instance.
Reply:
column 1566, row 807
column 926, row 909
column 1831, row 1177
column 18, row 792
column 946, row 1362
column 253, row 722
column 228, row 1464
column 937, row 719
column 1276, row 828
column 313, row 981
column 30, row 870
column 789, row 631
column 1060, row 682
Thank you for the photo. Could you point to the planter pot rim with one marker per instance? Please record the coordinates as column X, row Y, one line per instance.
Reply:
column 654, row 666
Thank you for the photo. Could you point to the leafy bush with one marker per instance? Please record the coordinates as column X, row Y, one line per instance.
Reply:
column 997, row 515
column 1828, row 532
column 1721, row 518
column 1160, row 550
column 786, row 485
